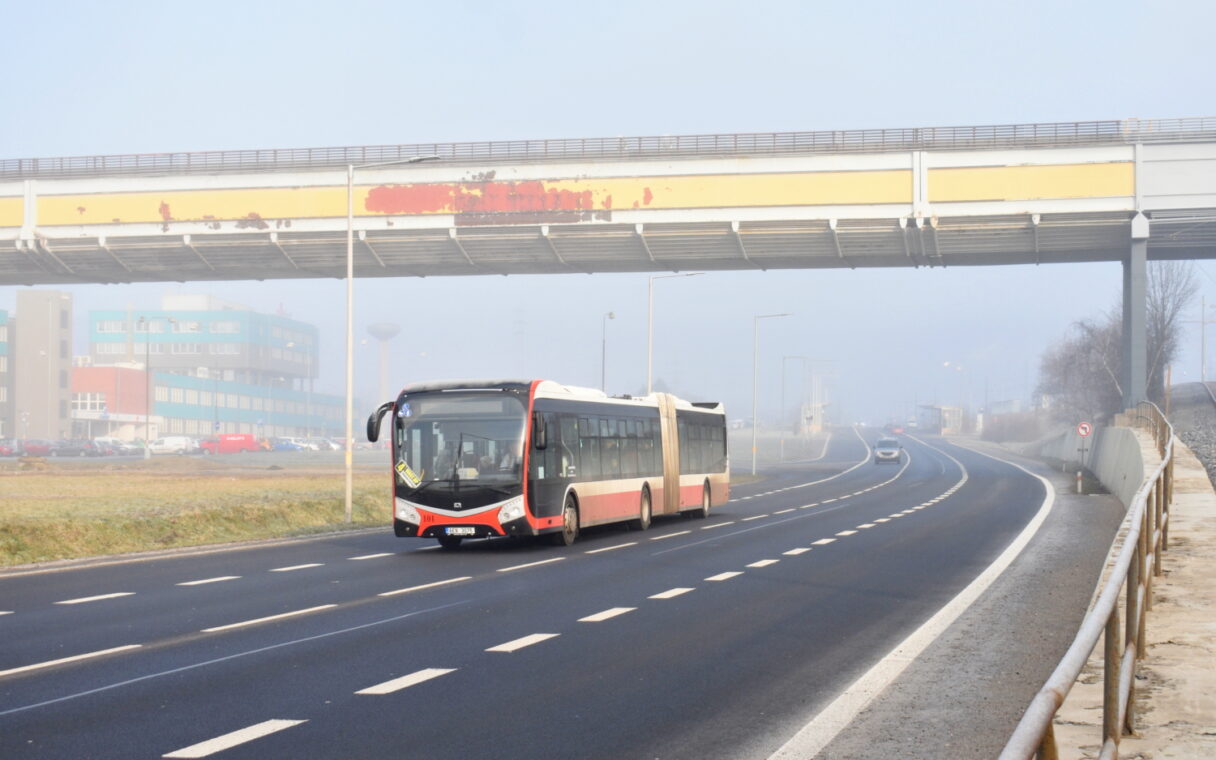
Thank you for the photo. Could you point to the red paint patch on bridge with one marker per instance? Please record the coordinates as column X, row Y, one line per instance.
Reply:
column 528, row 199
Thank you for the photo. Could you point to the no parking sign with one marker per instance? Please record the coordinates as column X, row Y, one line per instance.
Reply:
column 1084, row 429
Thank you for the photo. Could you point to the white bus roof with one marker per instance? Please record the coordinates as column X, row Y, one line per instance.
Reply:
column 555, row 390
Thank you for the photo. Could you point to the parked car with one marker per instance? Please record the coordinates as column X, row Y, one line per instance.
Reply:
column 173, row 444
column 35, row 447
column 116, row 446
column 283, row 444
column 9, row 447
column 229, row 443
column 74, row 448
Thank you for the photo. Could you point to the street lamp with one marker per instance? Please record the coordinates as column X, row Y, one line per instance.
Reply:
column 650, row 321
column 756, row 376
column 350, row 317
column 604, row 349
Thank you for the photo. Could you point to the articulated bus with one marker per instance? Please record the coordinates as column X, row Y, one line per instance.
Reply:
column 475, row 459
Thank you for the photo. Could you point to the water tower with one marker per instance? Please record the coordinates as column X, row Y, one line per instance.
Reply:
column 383, row 332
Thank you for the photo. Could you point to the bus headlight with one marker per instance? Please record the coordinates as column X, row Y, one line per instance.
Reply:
column 512, row 510
column 407, row 513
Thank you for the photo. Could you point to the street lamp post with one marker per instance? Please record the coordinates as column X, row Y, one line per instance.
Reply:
column 650, row 322
column 604, row 349
column 350, row 318
column 756, row 376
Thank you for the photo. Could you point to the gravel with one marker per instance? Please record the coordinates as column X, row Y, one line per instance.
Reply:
column 1193, row 415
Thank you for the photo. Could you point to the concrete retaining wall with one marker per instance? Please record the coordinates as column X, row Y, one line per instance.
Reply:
column 1114, row 456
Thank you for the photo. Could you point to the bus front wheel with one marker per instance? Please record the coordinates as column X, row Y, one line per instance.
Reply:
column 569, row 531
column 449, row 542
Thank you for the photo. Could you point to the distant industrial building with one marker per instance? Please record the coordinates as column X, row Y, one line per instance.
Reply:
column 39, row 360
column 7, row 427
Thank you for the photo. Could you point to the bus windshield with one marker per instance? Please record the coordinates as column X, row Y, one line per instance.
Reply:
column 450, row 443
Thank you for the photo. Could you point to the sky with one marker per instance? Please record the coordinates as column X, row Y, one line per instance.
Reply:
column 142, row 77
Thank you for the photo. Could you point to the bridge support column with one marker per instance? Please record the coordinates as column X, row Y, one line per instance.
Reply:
column 1135, row 348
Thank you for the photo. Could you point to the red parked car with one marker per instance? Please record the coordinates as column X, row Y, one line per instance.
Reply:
column 33, row 447
column 229, row 443
column 9, row 447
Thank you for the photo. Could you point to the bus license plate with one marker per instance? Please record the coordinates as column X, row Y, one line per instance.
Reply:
column 461, row 531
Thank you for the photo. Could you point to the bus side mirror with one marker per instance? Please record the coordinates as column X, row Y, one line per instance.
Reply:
column 540, row 436
column 373, row 422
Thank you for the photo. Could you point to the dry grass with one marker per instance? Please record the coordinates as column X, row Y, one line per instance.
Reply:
column 76, row 511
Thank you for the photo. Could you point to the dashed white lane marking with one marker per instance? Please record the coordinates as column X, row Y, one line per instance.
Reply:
column 268, row 618
column 228, row 741
column 610, row 548
column 62, row 660
column 371, row 556
column 526, row 641
column 670, row 593
column 719, row 525
column 753, row 517
column 764, row 563
column 219, row 579
column 894, row 515
column 724, row 576
column 828, row 501
column 796, row 552
column 671, row 535
column 98, row 598
column 6, row 612
column 606, row 614
column 908, row 511
column 846, row 532
column 883, row 520
column 296, row 567
column 530, row 564
column 404, row 682
column 426, row 586
column 865, row 526
column 823, row 541
column 783, row 511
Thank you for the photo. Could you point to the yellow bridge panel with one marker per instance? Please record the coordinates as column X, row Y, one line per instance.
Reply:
column 475, row 202
column 12, row 212
column 1016, row 183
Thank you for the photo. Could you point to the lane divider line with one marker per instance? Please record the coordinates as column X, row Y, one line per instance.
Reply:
column 268, row 618
column 865, row 526
column 846, row 532
column 823, row 541
column 236, row 738
column 753, row 517
column 610, row 548
column 296, row 567
column 205, row 581
column 370, row 556
column 98, row 598
column 404, row 682
column 724, row 576
column 426, row 586
column 62, row 660
column 796, row 552
column 764, row 563
column 719, row 525
column 783, row 511
column 530, row 564
column 608, row 614
column 520, row 643
column 670, row 593
column 671, row 535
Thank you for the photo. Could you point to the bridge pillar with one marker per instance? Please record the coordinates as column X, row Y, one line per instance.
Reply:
column 1135, row 348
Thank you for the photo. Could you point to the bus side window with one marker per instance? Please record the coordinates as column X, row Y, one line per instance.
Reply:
column 589, row 447
column 685, row 446
column 569, row 446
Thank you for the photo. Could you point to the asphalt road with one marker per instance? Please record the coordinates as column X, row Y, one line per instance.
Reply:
column 696, row 639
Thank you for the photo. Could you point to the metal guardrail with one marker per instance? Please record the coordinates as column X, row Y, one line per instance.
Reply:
column 1054, row 134
column 1138, row 561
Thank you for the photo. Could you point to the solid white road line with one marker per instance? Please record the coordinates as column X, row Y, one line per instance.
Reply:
column 84, row 599
column 846, row 532
column 228, row 741
column 670, row 593
column 526, row 641
column 671, row 535
column 796, row 552
column 825, row 726
column 268, row 618
column 606, row 614
column 296, row 567
column 371, row 556
column 62, row 660
column 753, row 517
column 783, row 511
column 404, row 682
column 724, row 576
column 764, row 563
column 823, row 542
column 530, row 564
column 426, row 585
column 611, row 548
column 719, row 525
column 220, row 579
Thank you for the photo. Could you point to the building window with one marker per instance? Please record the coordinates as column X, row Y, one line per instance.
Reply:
column 177, row 395
column 63, row 379
column 230, row 349
column 185, row 326
column 111, row 326
column 225, row 327
column 257, row 403
column 204, row 398
column 109, row 348
column 64, row 323
column 244, row 402
column 185, row 348
column 149, row 325
column 191, row 396
column 3, row 394
column 3, row 333
column 88, row 402
column 161, row 393
column 3, row 364
column 63, row 349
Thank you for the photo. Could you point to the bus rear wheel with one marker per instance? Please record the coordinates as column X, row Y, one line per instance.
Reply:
column 450, row 542
column 569, row 531
column 644, row 513
column 703, row 512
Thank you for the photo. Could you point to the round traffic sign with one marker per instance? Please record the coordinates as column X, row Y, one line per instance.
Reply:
column 1084, row 429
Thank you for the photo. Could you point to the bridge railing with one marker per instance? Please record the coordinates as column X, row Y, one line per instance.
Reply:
column 625, row 148
column 1137, row 562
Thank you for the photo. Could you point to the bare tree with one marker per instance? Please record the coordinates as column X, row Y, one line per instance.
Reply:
column 1171, row 287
